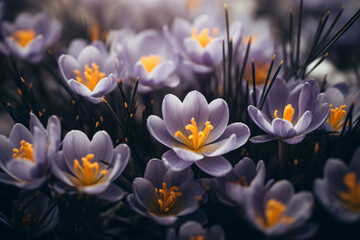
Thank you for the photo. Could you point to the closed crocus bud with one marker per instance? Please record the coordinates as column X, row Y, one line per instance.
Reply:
column 90, row 167
column 197, row 132
column 233, row 188
column 25, row 156
column 290, row 112
column 29, row 36
column 339, row 190
column 164, row 195
column 191, row 230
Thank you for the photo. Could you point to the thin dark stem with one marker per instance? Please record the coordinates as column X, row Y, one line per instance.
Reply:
column 282, row 158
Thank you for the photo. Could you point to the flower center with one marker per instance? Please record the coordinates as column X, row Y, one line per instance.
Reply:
column 274, row 214
column 203, row 37
column 88, row 173
column 335, row 117
column 242, row 182
column 92, row 76
column 166, row 198
column 351, row 199
column 196, row 139
column 150, row 62
column 288, row 113
column 23, row 37
column 26, row 151
column 198, row 237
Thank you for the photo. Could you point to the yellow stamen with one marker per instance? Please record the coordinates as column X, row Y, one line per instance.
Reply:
column 166, row 198
column 150, row 62
column 92, row 76
column 351, row 199
column 88, row 173
column 242, row 182
column 196, row 139
column 274, row 214
column 203, row 37
column 288, row 113
column 23, row 37
column 26, row 151
column 335, row 117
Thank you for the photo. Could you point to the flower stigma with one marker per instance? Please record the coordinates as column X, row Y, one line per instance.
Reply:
column 335, row 117
column 89, row 173
column 92, row 76
column 26, row 151
column 196, row 139
column 288, row 113
column 351, row 199
column 242, row 182
column 150, row 62
column 203, row 37
column 166, row 197
column 274, row 214
column 23, row 37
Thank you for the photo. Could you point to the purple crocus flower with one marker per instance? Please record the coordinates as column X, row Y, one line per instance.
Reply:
column 200, row 43
column 232, row 188
column 339, row 190
column 93, row 72
column 149, row 57
column 340, row 97
column 90, row 166
column 197, row 132
column 25, row 154
column 35, row 214
column 194, row 231
column 164, row 195
column 29, row 36
column 279, row 212
column 290, row 112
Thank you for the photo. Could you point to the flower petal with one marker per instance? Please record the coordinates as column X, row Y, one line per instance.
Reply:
column 158, row 130
column 215, row 166
column 173, row 162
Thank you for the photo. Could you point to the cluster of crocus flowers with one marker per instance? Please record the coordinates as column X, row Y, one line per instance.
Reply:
column 25, row 155
column 164, row 195
column 279, row 212
column 339, row 190
column 197, row 132
column 149, row 57
column 290, row 112
column 90, row 166
column 29, row 36
column 92, row 73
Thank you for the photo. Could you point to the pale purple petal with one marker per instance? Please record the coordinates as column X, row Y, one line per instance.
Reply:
column 214, row 166
column 173, row 162
column 79, row 88
column 104, row 86
column 218, row 118
column 112, row 194
column 303, row 122
column 187, row 154
column 158, row 130
column 144, row 193
column 263, row 138
column 18, row 133
column 155, row 172
column 195, row 106
column 306, row 101
column 283, row 128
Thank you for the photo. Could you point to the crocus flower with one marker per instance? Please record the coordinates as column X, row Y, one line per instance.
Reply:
column 279, row 212
column 194, row 231
column 164, row 195
column 149, row 57
column 339, row 190
column 232, row 188
column 35, row 214
column 290, row 112
column 197, row 132
column 25, row 155
column 340, row 98
column 90, row 166
column 93, row 73
column 200, row 43
column 30, row 36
